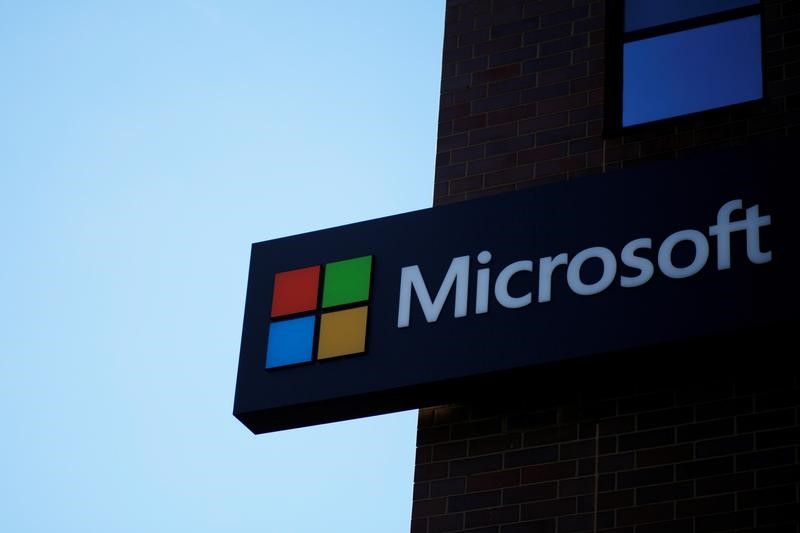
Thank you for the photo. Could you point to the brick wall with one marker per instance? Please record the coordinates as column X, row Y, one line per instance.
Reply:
column 523, row 92
column 605, row 447
column 683, row 455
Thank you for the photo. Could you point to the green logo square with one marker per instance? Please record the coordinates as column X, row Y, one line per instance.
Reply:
column 347, row 281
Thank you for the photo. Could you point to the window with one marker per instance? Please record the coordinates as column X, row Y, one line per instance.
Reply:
column 678, row 57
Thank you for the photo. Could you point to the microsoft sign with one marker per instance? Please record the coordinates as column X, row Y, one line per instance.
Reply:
column 632, row 256
column 403, row 311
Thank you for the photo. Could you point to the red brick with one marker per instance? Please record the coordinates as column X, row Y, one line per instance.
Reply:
column 538, row 94
column 534, row 155
column 568, row 43
column 665, row 455
column 549, row 472
column 490, row 164
column 494, row 480
column 768, row 420
column 511, row 28
column 421, row 491
column 534, row 526
column 500, row 515
column 576, row 486
column 556, row 166
column 778, row 437
column 469, row 123
column 569, row 15
column 419, row 525
column 425, row 508
column 546, row 6
column 587, row 24
column 424, row 454
column 615, row 500
column 672, row 526
column 432, row 434
column 546, row 63
column 766, row 497
column 492, row 133
column 566, row 103
column 473, row 500
column 547, row 34
column 707, row 505
column 660, row 493
column 477, row 428
column 724, row 446
column 440, row 189
column 513, row 144
column 508, row 176
column 465, row 96
column 429, row 471
column 725, row 483
column 726, row 522
column 658, row 512
column 453, row 141
column 704, row 468
column 529, row 493
column 516, row 84
column 583, row 522
column 441, row 524
column 467, row 154
column 561, row 134
column 549, row 77
column 496, row 74
column 511, row 114
column 541, row 123
column 765, row 459
column 456, row 83
column 449, row 450
column 583, row 114
column 616, row 462
column 486, row 463
column 450, row 172
column 472, row 65
column 645, row 476
column 447, row 487
column 647, row 439
column 493, row 444
column 547, row 509
column 474, row 37
column 509, row 42
column 577, row 449
column 495, row 102
column 705, row 430
column 531, row 456
column 588, row 144
column 515, row 55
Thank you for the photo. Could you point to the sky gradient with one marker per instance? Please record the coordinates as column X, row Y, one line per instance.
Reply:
column 144, row 146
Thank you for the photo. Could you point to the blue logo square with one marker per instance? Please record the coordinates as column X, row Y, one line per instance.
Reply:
column 290, row 342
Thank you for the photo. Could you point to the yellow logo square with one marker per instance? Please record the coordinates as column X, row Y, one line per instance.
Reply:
column 342, row 333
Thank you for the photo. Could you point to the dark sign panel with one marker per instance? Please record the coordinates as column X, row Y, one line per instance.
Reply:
column 389, row 314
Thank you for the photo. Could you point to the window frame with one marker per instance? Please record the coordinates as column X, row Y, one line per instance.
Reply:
column 617, row 37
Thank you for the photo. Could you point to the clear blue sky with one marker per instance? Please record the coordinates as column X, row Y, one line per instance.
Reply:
column 143, row 146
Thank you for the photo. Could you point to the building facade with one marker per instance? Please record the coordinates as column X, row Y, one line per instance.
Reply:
column 701, row 436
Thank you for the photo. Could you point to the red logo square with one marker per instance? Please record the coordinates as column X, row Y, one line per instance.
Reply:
column 295, row 291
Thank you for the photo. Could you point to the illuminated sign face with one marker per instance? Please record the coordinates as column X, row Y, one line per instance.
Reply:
column 299, row 332
column 425, row 307
column 633, row 259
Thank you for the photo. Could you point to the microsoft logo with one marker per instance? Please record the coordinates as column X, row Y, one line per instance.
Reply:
column 334, row 323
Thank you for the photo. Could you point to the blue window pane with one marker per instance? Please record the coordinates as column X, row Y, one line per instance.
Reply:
column 689, row 71
column 290, row 342
column 641, row 14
